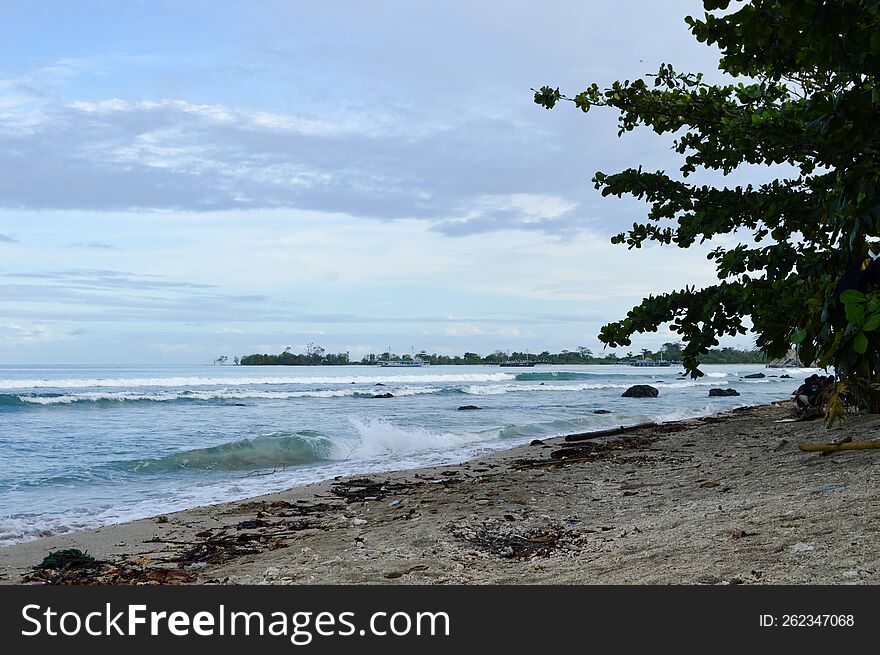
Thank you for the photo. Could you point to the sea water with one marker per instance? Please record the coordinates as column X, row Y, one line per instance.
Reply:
column 82, row 447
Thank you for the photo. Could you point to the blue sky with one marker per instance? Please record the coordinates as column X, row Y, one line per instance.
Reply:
column 187, row 179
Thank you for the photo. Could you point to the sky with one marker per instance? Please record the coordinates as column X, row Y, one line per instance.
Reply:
column 183, row 179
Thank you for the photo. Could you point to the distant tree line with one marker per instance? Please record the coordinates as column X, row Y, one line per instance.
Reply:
column 314, row 355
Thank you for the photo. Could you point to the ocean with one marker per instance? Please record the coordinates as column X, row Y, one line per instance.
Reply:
column 83, row 446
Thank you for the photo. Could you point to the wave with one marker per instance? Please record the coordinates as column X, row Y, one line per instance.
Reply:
column 20, row 400
column 263, row 452
column 563, row 375
column 116, row 397
column 497, row 389
column 172, row 382
column 379, row 437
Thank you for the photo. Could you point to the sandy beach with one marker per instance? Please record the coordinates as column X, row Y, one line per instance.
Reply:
column 724, row 499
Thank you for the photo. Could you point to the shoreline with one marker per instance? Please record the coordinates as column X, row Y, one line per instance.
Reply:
column 724, row 498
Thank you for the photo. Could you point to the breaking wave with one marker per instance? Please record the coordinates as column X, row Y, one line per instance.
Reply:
column 264, row 452
column 177, row 382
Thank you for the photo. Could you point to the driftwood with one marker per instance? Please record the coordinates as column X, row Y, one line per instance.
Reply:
column 831, row 447
column 607, row 433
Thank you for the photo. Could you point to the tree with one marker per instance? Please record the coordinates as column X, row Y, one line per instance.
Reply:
column 810, row 101
column 672, row 350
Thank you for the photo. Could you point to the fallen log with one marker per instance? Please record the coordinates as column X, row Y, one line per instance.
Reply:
column 830, row 447
column 583, row 436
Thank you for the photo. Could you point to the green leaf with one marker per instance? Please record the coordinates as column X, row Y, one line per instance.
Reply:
column 860, row 343
column 851, row 295
column 872, row 323
column 855, row 313
column 798, row 337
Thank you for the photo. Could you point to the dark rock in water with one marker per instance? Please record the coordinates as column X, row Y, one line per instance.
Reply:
column 754, row 376
column 541, row 385
column 466, row 407
column 383, row 395
column 601, row 411
column 785, row 377
column 640, row 391
column 536, row 442
column 723, row 392
column 378, row 384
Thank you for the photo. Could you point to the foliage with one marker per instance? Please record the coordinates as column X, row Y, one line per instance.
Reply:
column 582, row 355
column 809, row 101
column 312, row 356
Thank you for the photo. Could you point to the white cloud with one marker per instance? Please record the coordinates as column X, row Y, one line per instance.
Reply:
column 15, row 334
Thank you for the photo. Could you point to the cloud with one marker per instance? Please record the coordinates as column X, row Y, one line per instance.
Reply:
column 16, row 334
column 96, row 245
column 174, row 155
column 8, row 238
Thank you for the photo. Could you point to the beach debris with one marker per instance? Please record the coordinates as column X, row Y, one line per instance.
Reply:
column 741, row 534
column 830, row 447
column 465, row 408
column 69, row 559
column 363, row 489
column 585, row 452
column 640, row 391
column 74, row 567
column 723, row 392
column 161, row 519
column 802, row 548
column 391, row 575
column 709, row 485
column 250, row 525
column 583, row 436
column 500, row 540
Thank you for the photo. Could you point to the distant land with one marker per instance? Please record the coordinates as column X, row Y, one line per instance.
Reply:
column 314, row 355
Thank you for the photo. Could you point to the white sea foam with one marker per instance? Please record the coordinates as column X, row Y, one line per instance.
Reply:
column 91, row 383
column 220, row 394
column 379, row 437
